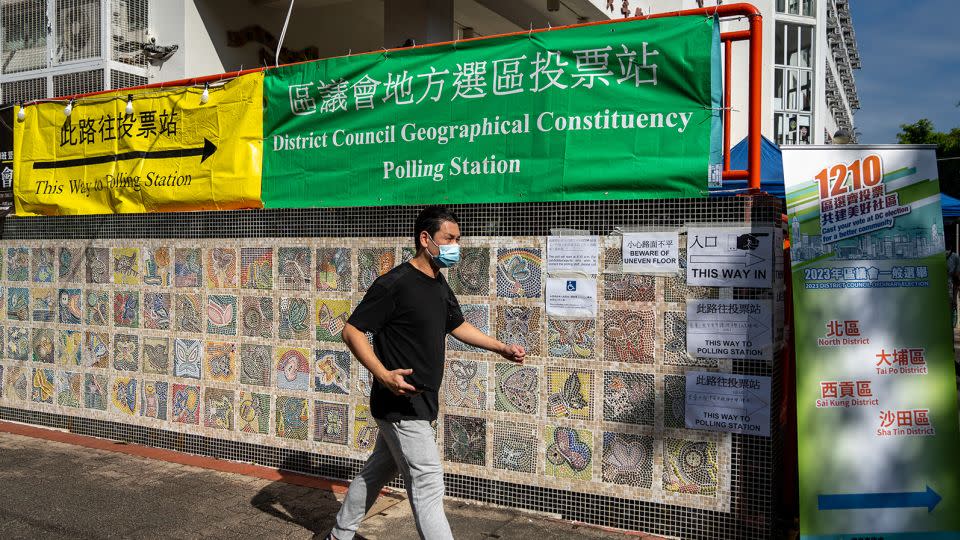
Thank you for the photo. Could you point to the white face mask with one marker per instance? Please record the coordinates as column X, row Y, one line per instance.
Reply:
column 448, row 256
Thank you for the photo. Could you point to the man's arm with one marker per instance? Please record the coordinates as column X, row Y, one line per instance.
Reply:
column 471, row 335
column 360, row 347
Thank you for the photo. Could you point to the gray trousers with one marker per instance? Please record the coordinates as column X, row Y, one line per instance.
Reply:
column 407, row 447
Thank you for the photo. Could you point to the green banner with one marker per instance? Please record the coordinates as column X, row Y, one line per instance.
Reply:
column 876, row 397
column 610, row 111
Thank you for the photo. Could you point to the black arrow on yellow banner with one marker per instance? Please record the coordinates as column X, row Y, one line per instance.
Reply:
column 204, row 152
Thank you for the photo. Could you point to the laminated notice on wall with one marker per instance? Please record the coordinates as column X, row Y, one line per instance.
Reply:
column 651, row 252
column 579, row 254
column 728, row 403
column 729, row 329
column 572, row 298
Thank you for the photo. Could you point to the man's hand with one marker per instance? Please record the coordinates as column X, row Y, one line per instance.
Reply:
column 395, row 382
column 514, row 353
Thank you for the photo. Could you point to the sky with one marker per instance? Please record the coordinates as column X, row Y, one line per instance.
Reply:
column 910, row 56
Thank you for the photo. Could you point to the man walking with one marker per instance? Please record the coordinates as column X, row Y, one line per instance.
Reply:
column 409, row 311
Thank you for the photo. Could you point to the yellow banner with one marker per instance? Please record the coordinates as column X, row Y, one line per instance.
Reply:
column 173, row 153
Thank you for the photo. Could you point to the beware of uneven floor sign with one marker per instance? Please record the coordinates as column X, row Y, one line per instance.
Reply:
column 173, row 153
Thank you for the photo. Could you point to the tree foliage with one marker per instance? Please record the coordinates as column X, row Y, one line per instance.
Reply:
column 948, row 146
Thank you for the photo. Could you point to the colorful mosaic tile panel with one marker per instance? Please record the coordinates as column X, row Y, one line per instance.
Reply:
column 571, row 338
column 70, row 349
column 221, row 266
column 42, row 264
column 569, row 452
column 629, row 288
column 44, row 305
column 43, row 388
column 187, row 267
column 99, row 308
column 690, row 467
column 156, row 266
column 256, row 268
column 676, row 290
column 70, row 389
column 332, row 316
column 293, row 269
column 471, row 276
column 189, row 315
column 126, row 352
column 18, row 304
column 476, row 314
column 154, row 397
column 156, row 355
column 407, row 254
column 675, row 342
column 294, row 317
column 124, row 396
column 333, row 269
column 332, row 422
column 18, row 344
column 187, row 358
column 185, row 404
column 42, row 345
column 96, row 349
column 627, row 459
column 465, row 384
column 292, row 418
column 95, row 391
column 96, row 265
column 373, row 263
column 156, row 310
column 256, row 317
column 364, row 381
column 517, row 388
column 519, row 325
column 519, row 273
column 465, row 439
column 2, row 385
column 71, row 262
column 515, row 447
column 70, row 305
column 292, row 368
column 255, row 364
column 220, row 362
column 126, row 266
column 628, row 398
column 674, row 401
column 126, row 309
column 218, row 408
column 570, row 393
column 365, row 429
column 332, row 372
column 253, row 413
column 222, row 314
column 17, row 383
column 628, row 336
column 18, row 264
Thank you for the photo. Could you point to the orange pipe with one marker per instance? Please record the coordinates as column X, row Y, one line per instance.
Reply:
column 727, row 62
column 756, row 80
column 736, row 175
column 739, row 35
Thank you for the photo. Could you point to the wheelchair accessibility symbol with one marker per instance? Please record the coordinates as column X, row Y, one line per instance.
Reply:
column 572, row 285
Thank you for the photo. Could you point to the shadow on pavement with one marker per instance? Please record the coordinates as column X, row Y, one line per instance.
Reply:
column 311, row 508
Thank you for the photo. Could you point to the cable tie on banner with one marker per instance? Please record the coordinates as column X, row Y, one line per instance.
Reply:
column 530, row 33
column 385, row 52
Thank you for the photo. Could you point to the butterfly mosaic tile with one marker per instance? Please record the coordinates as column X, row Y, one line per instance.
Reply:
column 570, row 393
column 332, row 371
column 332, row 422
column 293, row 269
column 519, row 273
column 70, row 348
column 628, row 336
column 515, row 446
column 154, row 399
column 256, row 268
column 517, row 388
column 519, row 325
column 465, row 384
column 569, row 452
column 221, row 264
column 571, row 338
column 219, row 408
column 255, row 364
column 690, row 467
column 126, row 352
column 464, row 439
column 334, row 272
column 256, row 317
column 253, row 413
column 292, row 418
column 628, row 398
column 187, row 358
column 220, row 361
column 627, row 459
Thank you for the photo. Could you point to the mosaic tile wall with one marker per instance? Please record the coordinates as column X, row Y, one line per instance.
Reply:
column 238, row 339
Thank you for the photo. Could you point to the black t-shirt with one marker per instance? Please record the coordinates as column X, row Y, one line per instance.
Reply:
column 409, row 315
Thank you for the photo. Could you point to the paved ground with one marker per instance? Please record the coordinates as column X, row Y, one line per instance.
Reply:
column 55, row 490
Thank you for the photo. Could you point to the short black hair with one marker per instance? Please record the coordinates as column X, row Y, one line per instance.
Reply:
column 431, row 219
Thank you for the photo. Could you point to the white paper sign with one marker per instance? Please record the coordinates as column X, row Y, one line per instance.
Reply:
column 729, row 329
column 728, row 403
column 651, row 252
column 572, row 298
column 573, row 254
column 730, row 256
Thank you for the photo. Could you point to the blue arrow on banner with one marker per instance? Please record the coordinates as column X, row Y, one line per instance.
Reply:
column 855, row 501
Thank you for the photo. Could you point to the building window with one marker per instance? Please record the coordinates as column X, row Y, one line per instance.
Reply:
column 806, row 8
column 793, row 84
